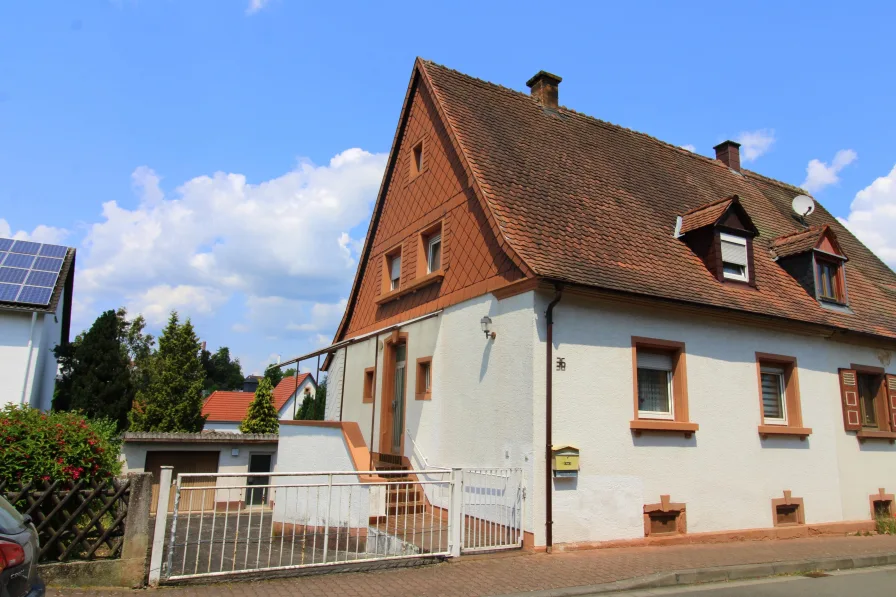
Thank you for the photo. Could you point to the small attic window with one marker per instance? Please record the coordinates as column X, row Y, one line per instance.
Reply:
column 417, row 159
column 735, row 264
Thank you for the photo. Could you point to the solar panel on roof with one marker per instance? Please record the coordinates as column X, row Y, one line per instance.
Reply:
column 45, row 279
column 29, row 271
column 8, row 292
column 18, row 260
column 12, row 275
column 47, row 264
column 34, row 295
column 25, row 247
column 52, row 251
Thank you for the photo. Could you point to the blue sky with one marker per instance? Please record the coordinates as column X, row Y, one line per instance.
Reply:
column 222, row 157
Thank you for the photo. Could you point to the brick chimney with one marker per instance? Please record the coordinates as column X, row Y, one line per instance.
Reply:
column 544, row 88
column 728, row 152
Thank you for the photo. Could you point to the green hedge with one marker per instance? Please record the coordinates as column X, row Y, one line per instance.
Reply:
column 56, row 446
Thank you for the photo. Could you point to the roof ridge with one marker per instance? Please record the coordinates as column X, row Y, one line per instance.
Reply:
column 613, row 125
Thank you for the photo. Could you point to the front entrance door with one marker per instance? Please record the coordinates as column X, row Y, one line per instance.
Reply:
column 393, row 397
column 398, row 397
column 258, row 463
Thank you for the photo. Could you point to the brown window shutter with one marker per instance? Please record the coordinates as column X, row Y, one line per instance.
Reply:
column 891, row 400
column 849, row 395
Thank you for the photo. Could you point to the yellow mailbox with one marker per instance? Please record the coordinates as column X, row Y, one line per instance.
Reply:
column 566, row 461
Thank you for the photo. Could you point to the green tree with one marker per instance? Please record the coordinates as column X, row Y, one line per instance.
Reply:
column 274, row 374
column 312, row 408
column 139, row 347
column 262, row 416
column 95, row 372
column 172, row 399
column 221, row 373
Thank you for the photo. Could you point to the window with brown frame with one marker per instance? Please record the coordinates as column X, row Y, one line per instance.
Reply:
column 779, row 396
column 367, row 396
column 868, row 397
column 660, row 387
column 429, row 251
column 417, row 159
column 829, row 280
column 424, row 379
column 392, row 270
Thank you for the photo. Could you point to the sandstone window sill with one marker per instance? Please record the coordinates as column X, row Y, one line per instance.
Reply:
column 766, row 431
column 639, row 426
column 866, row 434
column 415, row 285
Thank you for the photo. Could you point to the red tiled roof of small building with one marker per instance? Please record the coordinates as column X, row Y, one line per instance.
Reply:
column 229, row 406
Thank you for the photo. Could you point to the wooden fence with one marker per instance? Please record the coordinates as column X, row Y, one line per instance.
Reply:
column 80, row 520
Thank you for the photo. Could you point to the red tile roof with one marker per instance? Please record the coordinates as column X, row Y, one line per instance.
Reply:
column 228, row 406
column 705, row 215
column 800, row 242
column 590, row 203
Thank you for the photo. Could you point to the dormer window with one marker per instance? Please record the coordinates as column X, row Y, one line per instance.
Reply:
column 815, row 260
column 721, row 234
column 735, row 265
column 828, row 280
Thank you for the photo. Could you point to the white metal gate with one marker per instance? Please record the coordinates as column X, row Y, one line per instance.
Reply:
column 317, row 519
column 492, row 510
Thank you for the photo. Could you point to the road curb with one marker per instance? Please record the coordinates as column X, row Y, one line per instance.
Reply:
column 717, row 574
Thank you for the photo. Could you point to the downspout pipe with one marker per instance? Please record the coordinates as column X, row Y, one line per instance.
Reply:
column 28, row 362
column 549, row 423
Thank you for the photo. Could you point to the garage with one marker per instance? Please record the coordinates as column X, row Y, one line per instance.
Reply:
column 184, row 462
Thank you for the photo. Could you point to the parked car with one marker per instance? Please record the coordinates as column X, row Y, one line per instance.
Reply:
column 19, row 551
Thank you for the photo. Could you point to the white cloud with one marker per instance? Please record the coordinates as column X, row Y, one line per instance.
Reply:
column 156, row 303
column 872, row 217
column 819, row 174
column 41, row 234
column 240, row 328
column 755, row 143
column 689, row 147
column 255, row 6
column 284, row 244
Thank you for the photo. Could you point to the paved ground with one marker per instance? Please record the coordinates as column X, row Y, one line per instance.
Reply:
column 517, row 572
column 869, row 582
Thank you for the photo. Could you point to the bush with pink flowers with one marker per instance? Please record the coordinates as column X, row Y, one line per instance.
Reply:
column 63, row 446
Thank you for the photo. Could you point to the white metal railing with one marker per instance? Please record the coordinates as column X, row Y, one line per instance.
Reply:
column 493, row 508
column 419, row 455
column 226, row 524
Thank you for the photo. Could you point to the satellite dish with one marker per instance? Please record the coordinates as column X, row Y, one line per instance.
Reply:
column 803, row 205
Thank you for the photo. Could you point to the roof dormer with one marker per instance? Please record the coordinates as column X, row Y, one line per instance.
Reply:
column 721, row 234
column 815, row 259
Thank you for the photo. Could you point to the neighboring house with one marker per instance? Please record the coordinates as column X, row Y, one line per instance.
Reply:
column 36, row 284
column 225, row 410
column 206, row 452
column 250, row 384
column 666, row 314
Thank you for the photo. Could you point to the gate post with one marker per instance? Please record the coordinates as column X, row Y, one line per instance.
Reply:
column 456, row 512
column 158, row 537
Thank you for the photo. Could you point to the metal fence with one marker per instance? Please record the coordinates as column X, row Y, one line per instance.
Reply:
column 493, row 500
column 296, row 520
column 75, row 520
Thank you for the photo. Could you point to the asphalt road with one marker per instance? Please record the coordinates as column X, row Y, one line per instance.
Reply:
column 868, row 582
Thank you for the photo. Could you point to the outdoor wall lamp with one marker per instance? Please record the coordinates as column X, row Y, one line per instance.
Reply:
column 486, row 323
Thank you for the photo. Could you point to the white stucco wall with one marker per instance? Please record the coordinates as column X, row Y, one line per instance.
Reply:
column 304, row 499
column 289, row 408
column 725, row 473
column 15, row 328
column 229, row 427
column 488, row 405
column 480, row 413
